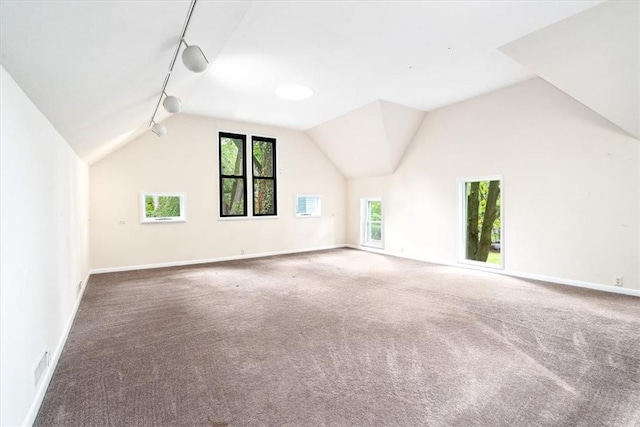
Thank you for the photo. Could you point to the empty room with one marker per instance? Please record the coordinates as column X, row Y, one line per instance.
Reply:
column 320, row 213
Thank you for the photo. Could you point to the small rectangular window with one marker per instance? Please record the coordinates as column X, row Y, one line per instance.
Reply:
column 233, row 175
column 162, row 207
column 308, row 206
column 264, row 176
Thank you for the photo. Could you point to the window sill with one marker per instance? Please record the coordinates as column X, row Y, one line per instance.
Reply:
column 373, row 245
column 162, row 221
column 247, row 218
column 481, row 264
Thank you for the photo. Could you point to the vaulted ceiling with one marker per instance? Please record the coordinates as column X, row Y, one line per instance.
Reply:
column 95, row 68
column 594, row 57
column 370, row 140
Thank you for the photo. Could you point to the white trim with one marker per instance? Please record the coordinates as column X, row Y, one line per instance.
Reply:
column 377, row 251
column 55, row 358
column 245, row 218
column 242, row 132
column 143, row 208
column 318, row 213
column 364, row 221
column 521, row 275
column 576, row 283
column 210, row 260
column 481, row 264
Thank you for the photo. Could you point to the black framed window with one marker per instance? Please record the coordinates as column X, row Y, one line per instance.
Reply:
column 233, row 175
column 263, row 153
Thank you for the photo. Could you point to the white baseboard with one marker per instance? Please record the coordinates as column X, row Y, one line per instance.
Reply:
column 576, row 283
column 210, row 260
column 542, row 278
column 55, row 358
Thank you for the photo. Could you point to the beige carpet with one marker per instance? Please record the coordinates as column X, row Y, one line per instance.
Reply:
column 340, row 338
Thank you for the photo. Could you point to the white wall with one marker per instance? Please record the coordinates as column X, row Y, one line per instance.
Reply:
column 594, row 56
column 186, row 161
column 44, row 249
column 570, row 189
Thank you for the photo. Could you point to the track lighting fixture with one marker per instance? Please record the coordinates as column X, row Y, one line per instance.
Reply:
column 159, row 129
column 194, row 59
column 172, row 104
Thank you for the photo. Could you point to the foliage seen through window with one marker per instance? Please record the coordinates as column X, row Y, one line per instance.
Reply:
column 264, row 180
column 483, row 227
column 232, row 175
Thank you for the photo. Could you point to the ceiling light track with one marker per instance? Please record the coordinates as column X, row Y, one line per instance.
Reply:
column 194, row 59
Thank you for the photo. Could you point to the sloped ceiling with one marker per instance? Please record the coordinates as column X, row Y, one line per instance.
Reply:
column 594, row 57
column 95, row 68
column 370, row 140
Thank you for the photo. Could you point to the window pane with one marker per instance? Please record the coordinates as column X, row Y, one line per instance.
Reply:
column 371, row 223
column 308, row 206
column 162, row 206
column 302, row 205
column 264, row 197
column 483, row 227
column 375, row 210
column 232, row 153
column 263, row 159
column 376, row 231
column 233, row 202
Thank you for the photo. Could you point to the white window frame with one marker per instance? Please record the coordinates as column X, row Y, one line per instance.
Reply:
column 365, row 223
column 164, row 220
column 318, row 211
column 462, row 211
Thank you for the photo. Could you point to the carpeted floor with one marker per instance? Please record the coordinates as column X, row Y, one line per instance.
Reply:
column 345, row 338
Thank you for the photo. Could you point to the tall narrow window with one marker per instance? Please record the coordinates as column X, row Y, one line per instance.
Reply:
column 372, row 223
column 264, row 176
column 481, row 204
column 233, row 175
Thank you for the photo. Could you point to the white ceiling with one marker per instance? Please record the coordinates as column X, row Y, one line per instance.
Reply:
column 95, row 68
column 593, row 56
column 369, row 141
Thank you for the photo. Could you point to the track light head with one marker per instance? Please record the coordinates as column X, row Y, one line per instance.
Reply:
column 159, row 129
column 194, row 59
column 172, row 104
